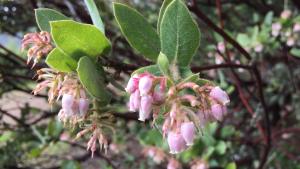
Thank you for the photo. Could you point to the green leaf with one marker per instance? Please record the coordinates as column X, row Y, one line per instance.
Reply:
column 163, row 64
column 243, row 39
column 151, row 137
column 6, row 136
column 231, row 165
column 44, row 15
column 95, row 14
column 162, row 12
column 58, row 60
column 70, row 164
column 179, row 34
column 153, row 69
column 221, row 147
column 138, row 32
column 77, row 39
column 191, row 78
column 54, row 128
column 92, row 79
column 295, row 52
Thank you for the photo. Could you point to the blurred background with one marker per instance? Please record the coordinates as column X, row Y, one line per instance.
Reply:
column 250, row 48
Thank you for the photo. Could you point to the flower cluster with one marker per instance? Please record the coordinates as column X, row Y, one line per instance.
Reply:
column 184, row 111
column 40, row 45
column 67, row 87
column 144, row 94
column 282, row 29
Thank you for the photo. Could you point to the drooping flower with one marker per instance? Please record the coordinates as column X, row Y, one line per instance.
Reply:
column 173, row 164
column 258, row 48
column 145, row 84
column 83, row 106
column 286, row 14
column 296, row 27
column 219, row 95
column 176, row 142
column 218, row 111
column 276, row 27
column 290, row 41
column 145, row 107
column 188, row 132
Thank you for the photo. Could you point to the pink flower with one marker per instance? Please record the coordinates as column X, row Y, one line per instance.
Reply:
column 290, row 41
column 173, row 164
column 83, row 106
column 218, row 111
column 67, row 103
column 134, row 102
column 296, row 27
column 258, row 48
column 176, row 142
column 218, row 94
column 221, row 47
column 132, row 84
column 145, row 107
column 286, row 14
column 188, row 132
column 145, row 84
column 276, row 27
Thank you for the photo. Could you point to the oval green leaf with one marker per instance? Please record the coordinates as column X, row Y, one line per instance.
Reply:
column 153, row 69
column 92, row 78
column 138, row 32
column 44, row 15
column 162, row 12
column 77, row 39
column 163, row 64
column 58, row 60
column 179, row 34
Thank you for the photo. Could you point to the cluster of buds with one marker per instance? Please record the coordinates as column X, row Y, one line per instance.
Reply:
column 287, row 35
column 97, row 135
column 157, row 154
column 39, row 43
column 144, row 93
column 185, row 112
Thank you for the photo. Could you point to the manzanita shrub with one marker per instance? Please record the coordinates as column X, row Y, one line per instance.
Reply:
column 177, row 101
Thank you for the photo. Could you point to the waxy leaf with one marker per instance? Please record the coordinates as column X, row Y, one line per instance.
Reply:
column 58, row 60
column 95, row 14
column 138, row 32
column 77, row 39
column 43, row 16
column 162, row 12
column 153, row 69
column 179, row 34
column 163, row 64
column 92, row 78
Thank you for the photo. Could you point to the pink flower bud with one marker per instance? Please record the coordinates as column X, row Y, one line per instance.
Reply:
column 173, row 111
column 67, row 103
column 146, row 107
column 218, row 94
column 286, row 14
column 258, row 48
column 276, row 27
column 134, row 102
column 221, row 47
column 218, row 111
column 296, row 27
column 202, row 118
column 132, row 84
column 173, row 164
column 176, row 142
column 188, row 132
column 158, row 96
column 83, row 106
column 145, row 84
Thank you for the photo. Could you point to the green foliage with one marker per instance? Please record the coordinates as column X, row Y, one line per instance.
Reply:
column 179, row 34
column 77, row 39
column 58, row 60
column 70, row 164
column 231, row 165
column 154, row 69
column 95, row 14
column 44, row 16
column 295, row 52
column 151, row 137
column 138, row 32
column 162, row 12
column 92, row 78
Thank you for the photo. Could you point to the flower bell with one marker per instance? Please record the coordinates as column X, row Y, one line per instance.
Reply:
column 145, row 107
column 83, row 106
column 218, row 94
column 176, row 142
column 67, row 103
column 188, row 132
column 145, row 84
column 218, row 111
column 132, row 84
